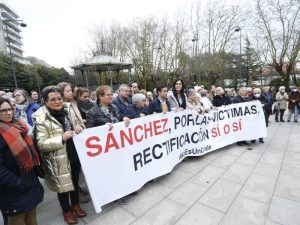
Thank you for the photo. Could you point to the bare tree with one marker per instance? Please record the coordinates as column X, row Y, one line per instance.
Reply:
column 278, row 23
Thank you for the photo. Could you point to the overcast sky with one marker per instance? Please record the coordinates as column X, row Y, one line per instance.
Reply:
column 57, row 29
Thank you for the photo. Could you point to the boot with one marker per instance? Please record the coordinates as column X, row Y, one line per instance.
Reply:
column 70, row 218
column 253, row 141
column 261, row 140
column 78, row 211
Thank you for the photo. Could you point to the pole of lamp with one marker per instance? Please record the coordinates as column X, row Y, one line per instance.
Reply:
column 240, row 57
column 10, row 55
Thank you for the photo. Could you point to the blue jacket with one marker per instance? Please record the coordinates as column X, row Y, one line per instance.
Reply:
column 121, row 106
column 155, row 106
column 32, row 108
column 134, row 112
column 19, row 191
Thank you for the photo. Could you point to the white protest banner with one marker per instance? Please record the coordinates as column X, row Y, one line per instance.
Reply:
column 119, row 162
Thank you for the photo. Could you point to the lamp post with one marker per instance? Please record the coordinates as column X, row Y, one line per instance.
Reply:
column 238, row 29
column 195, row 53
column 8, row 39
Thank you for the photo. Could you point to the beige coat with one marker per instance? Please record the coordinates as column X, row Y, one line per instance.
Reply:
column 282, row 100
column 55, row 162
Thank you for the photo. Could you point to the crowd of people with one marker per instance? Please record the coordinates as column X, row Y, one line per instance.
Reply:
column 36, row 132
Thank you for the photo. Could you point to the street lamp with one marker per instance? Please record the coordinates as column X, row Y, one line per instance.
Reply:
column 238, row 29
column 8, row 39
column 195, row 53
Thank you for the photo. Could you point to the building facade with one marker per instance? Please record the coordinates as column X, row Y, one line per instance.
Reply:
column 10, row 33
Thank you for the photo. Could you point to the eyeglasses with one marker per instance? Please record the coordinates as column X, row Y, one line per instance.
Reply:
column 55, row 99
column 17, row 95
column 5, row 111
column 108, row 95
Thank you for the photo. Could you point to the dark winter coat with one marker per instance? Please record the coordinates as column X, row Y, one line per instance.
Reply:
column 294, row 96
column 121, row 105
column 155, row 106
column 239, row 99
column 220, row 100
column 95, row 117
column 19, row 191
column 134, row 112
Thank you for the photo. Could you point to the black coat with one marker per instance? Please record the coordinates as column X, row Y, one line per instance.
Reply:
column 19, row 191
column 239, row 99
column 155, row 106
column 133, row 112
column 220, row 100
column 95, row 117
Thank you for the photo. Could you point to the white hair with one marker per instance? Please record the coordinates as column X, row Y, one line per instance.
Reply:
column 137, row 98
column 281, row 88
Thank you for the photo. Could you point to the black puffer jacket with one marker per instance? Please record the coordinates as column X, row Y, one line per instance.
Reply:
column 220, row 100
column 19, row 192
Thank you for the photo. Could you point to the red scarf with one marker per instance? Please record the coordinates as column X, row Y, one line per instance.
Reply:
column 15, row 134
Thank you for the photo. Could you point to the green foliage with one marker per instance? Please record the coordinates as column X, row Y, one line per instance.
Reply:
column 276, row 82
column 30, row 77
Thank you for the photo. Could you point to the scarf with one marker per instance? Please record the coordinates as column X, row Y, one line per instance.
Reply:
column 15, row 134
column 22, row 113
column 84, row 106
column 62, row 117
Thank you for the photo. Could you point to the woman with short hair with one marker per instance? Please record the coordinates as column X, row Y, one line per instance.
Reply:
column 138, row 107
column 84, row 103
column 192, row 102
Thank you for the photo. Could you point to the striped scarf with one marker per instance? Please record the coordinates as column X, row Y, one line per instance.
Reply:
column 15, row 134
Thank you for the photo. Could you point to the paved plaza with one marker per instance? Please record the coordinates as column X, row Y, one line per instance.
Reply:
column 231, row 186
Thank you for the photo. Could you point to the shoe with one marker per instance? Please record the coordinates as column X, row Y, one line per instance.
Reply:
column 70, row 218
column 296, row 121
column 276, row 121
column 245, row 143
column 282, row 120
column 289, row 121
column 261, row 140
column 78, row 211
column 253, row 141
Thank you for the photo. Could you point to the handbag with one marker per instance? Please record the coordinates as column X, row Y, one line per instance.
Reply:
column 38, row 168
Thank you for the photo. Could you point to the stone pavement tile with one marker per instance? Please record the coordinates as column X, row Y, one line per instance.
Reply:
column 238, row 173
column 292, row 158
column 292, row 170
column 174, row 179
column 288, row 187
column 221, row 195
column 266, row 170
column 57, row 220
column 284, row 211
column 208, row 176
column 149, row 196
column 193, row 165
column 214, row 154
column 274, row 159
column 235, row 150
column 165, row 212
column 269, row 222
column 224, row 161
column 259, row 188
column 187, row 194
column 249, row 159
column 90, row 210
column 115, row 216
column 293, row 147
column 245, row 211
column 201, row 215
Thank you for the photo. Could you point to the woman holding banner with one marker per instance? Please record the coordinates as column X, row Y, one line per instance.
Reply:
column 55, row 125
column 177, row 98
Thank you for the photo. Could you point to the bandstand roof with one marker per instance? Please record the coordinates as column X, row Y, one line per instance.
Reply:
column 102, row 62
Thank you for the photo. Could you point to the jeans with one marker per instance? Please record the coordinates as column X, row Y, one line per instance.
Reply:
column 294, row 111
